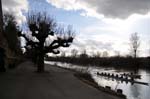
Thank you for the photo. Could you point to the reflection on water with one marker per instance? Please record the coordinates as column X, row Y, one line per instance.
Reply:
column 132, row 91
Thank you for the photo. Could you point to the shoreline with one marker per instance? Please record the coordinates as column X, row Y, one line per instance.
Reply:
column 91, row 82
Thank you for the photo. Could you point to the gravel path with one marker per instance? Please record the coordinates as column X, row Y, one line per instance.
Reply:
column 24, row 83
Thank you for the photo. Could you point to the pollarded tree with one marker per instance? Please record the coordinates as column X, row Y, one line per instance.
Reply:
column 134, row 44
column 45, row 37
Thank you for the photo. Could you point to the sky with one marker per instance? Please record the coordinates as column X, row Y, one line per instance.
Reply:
column 100, row 25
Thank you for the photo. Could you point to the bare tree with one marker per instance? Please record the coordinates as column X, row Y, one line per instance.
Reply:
column 134, row 44
column 84, row 54
column 96, row 54
column 105, row 54
column 74, row 52
column 117, row 53
column 46, row 36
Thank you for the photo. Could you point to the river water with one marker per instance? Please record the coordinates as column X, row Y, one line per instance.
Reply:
column 132, row 91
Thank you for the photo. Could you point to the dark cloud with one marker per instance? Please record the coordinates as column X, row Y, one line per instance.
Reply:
column 108, row 8
column 120, row 8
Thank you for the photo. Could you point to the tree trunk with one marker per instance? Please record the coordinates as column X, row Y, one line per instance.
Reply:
column 40, row 67
column 135, row 52
column 2, row 44
column 2, row 60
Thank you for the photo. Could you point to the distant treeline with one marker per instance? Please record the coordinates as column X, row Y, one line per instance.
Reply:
column 117, row 62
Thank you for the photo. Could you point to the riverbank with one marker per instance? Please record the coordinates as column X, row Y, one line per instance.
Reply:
column 131, row 90
column 87, row 78
column 24, row 83
column 115, row 62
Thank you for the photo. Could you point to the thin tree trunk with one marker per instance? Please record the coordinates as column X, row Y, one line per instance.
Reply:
column 135, row 52
column 40, row 55
column 1, row 26
column 40, row 67
column 2, row 50
column 2, row 60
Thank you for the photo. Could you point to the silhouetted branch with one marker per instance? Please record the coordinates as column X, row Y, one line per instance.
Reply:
column 48, row 35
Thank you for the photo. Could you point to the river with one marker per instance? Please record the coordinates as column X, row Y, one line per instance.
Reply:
column 132, row 91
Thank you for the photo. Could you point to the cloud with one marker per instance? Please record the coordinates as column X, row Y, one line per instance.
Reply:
column 16, row 7
column 108, row 8
column 90, row 45
column 117, row 32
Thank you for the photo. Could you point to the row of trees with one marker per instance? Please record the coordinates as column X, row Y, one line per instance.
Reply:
column 84, row 53
column 103, row 59
column 119, row 62
column 11, row 29
column 47, row 36
column 9, row 43
column 44, row 36
column 10, row 52
column 134, row 50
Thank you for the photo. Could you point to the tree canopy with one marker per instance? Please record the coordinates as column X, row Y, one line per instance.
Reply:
column 45, row 36
column 11, row 29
